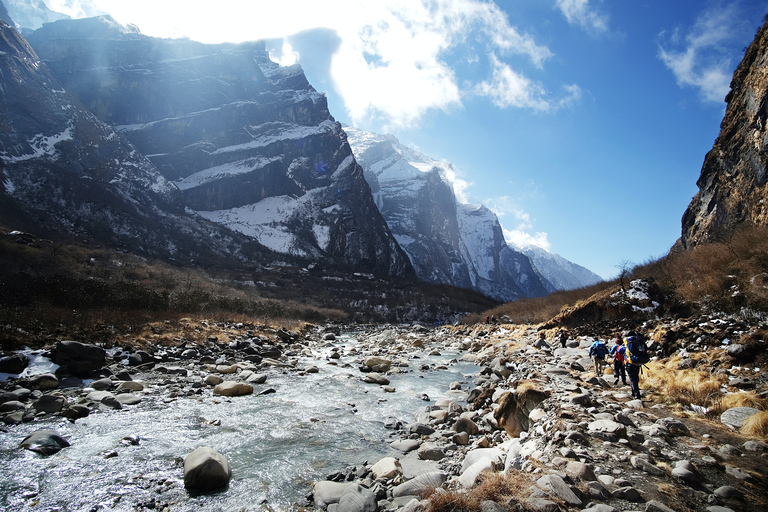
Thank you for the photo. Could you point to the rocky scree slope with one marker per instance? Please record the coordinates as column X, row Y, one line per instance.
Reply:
column 250, row 145
column 733, row 186
column 446, row 241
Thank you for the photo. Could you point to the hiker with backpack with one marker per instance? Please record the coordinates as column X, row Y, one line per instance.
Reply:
column 618, row 351
column 636, row 355
column 597, row 352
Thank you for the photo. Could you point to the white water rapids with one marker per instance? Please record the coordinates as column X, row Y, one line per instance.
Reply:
column 277, row 444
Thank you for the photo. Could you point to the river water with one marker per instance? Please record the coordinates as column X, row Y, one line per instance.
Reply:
column 277, row 444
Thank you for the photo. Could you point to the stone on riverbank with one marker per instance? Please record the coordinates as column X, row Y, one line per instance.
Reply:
column 233, row 388
column 79, row 358
column 44, row 442
column 205, row 469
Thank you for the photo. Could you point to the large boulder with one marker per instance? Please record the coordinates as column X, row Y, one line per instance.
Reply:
column 387, row 469
column 79, row 358
column 16, row 363
column 205, row 469
column 44, row 442
column 326, row 493
column 515, row 406
column 735, row 417
column 233, row 388
column 357, row 498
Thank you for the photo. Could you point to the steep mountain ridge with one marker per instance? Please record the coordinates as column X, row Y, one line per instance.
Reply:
column 561, row 273
column 733, row 185
column 249, row 144
column 449, row 242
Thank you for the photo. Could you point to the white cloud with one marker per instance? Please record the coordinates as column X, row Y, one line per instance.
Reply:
column 507, row 88
column 525, row 239
column 579, row 12
column 392, row 64
column 700, row 60
column 521, row 234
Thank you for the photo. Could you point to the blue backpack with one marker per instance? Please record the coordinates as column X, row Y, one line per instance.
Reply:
column 598, row 349
column 637, row 350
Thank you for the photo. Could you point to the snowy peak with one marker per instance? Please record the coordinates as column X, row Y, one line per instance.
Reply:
column 447, row 242
column 561, row 273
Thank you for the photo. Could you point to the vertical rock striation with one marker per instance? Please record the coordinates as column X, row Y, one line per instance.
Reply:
column 733, row 183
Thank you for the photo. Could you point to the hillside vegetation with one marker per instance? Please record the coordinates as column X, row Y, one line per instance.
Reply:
column 730, row 276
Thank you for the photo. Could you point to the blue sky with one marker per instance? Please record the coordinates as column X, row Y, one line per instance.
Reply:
column 582, row 123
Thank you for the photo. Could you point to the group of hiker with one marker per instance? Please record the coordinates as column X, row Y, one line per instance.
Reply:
column 629, row 353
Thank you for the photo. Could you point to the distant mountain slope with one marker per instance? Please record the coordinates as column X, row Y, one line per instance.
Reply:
column 733, row 185
column 447, row 242
column 249, row 144
column 561, row 273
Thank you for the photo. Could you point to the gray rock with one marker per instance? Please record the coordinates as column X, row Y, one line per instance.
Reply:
column 657, row 506
column 44, row 381
column 599, row 507
column 12, row 405
column 104, row 384
column 491, row 506
column 98, row 396
column 233, row 388
column 607, row 430
column 205, row 469
column 128, row 399
column 739, row 474
column 540, row 505
column 357, row 498
column 420, row 484
column 419, row 428
column 597, row 491
column 735, row 417
column 75, row 412
column 674, row 426
column 717, row 508
column 728, row 450
column 627, row 493
column 643, row 463
column 44, row 442
column 430, row 451
column 16, row 363
column 557, row 487
column 405, row 445
column 79, row 358
column 755, row 446
column 50, row 404
column 726, row 492
column 326, row 492
column 580, row 471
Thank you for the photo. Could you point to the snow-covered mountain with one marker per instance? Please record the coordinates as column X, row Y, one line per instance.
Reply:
column 449, row 242
column 561, row 273
column 250, row 145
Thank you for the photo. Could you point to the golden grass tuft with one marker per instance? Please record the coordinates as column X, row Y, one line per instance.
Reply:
column 498, row 487
column 756, row 426
column 687, row 387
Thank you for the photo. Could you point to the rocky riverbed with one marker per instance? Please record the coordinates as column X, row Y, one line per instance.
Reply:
column 532, row 429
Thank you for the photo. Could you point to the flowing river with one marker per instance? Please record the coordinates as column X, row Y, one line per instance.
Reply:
column 277, row 444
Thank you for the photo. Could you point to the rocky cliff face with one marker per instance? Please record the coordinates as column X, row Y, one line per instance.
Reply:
column 447, row 242
column 733, row 184
column 62, row 169
column 250, row 145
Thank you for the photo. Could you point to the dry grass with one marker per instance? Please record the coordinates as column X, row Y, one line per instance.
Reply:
column 756, row 426
column 694, row 387
column 498, row 487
